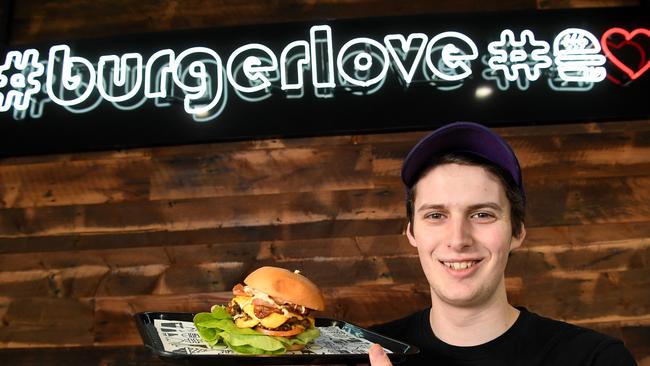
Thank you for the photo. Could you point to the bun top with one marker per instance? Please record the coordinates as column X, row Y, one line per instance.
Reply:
column 286, row 285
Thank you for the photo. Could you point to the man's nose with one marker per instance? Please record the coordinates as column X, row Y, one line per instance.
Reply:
column 460, row 233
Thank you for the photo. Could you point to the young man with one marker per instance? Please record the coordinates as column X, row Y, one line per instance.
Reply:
column 465, row 208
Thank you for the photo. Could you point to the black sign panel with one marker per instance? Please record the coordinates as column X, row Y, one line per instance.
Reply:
column 324, row 78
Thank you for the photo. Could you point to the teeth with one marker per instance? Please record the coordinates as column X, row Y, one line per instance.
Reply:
column 460, row 265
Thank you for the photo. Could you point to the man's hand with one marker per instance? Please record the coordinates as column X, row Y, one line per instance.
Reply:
column 378, row 357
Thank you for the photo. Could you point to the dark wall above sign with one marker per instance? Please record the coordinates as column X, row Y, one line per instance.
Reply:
column 335, row 77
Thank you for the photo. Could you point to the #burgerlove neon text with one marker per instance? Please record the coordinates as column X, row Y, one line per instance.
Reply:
column 360, row 63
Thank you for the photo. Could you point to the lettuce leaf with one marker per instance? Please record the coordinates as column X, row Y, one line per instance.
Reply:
column 217, row 327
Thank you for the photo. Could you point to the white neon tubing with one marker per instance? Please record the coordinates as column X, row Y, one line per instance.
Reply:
column 577, row 56
column 214, row 113
column 302, row 63
column 120, row 70
column 164, row 72
column 452, row 56
column 68, row 81
column 131, row 104
column 261, row 94
column 358, row 66
column 252, row 67
column 328, row 60
column 364, row 65
column 197, row 70
column 405, row 45
column 500, row 57
column 21, row 60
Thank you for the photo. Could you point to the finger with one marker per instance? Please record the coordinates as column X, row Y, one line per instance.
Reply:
column 378, row 357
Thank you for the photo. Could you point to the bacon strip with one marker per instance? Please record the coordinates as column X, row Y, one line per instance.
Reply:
column 262, row 312
column 263, row 308
column 238, row 290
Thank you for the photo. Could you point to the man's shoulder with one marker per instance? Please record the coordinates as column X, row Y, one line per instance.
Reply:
column 549, row 328
column 575, row 343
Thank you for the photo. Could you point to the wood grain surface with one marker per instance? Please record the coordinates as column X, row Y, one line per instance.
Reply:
column 76, row 266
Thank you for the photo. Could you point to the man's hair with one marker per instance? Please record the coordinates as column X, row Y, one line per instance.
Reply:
column 513, row 193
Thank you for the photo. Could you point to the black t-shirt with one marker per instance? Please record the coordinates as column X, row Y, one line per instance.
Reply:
column 532, row 340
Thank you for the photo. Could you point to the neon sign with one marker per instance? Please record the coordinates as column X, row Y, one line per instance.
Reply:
column 577, row 56
column 575, row 62
column 628, row 39
column 15, row 97
column 345, row 77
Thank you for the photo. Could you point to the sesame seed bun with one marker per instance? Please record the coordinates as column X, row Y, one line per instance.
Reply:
column 289, row 286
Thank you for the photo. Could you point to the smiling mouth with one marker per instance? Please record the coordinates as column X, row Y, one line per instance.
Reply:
column 459, row 265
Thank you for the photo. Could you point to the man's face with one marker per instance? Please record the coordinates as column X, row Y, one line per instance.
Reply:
column 462, row 230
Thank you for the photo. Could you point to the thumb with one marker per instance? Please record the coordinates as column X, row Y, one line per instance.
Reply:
column 378, row 357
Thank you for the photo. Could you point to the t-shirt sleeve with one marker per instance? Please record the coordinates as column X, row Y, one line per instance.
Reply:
column 613, row 353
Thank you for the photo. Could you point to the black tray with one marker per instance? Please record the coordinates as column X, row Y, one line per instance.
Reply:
column 400, row 351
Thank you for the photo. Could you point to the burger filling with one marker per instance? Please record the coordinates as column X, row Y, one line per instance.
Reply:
column 251, row 308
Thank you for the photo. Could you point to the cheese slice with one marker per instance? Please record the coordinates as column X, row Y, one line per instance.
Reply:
column 243, row 300
column 274, row 320
column 249, row 309
column 246, row 323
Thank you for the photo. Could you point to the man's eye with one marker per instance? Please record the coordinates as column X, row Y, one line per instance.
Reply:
column 483, row 215
column 434, row 216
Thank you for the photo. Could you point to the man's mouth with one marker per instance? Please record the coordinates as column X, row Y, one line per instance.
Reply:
column 460, row 265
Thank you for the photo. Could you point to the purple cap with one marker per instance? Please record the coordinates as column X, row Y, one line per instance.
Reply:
column 464, row 137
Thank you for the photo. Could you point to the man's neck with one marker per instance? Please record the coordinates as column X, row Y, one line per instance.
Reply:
column 472, row 326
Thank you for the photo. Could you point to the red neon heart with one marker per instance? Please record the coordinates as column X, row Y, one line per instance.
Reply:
column 628, row 36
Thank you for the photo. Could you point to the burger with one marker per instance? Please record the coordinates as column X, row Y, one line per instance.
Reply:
column 270, row 313
column 276, row 302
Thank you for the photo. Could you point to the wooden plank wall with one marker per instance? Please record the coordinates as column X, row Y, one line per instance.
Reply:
column 89, row 239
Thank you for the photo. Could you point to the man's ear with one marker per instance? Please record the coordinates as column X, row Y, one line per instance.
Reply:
column 409, row 235
column 517, row 241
